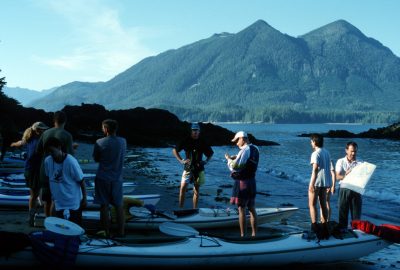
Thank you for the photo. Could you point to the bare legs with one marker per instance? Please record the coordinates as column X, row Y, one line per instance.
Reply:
column 182, row 193
column 120, row 221
column 33, row 199
column 318, row 194
column 328, row 206
column 106, row 222
column 48, row 208
column 242, row 220
column 196, row 189
column 105, row 218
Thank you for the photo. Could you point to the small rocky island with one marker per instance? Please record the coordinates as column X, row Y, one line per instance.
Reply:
column 391, row 132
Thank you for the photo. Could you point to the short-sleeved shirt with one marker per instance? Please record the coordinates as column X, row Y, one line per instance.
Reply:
column 66, row 145
column 322, row 158
column 343, row 165
column 194, row 151
column 65, row 182
column 32, row 161
column 110, row 152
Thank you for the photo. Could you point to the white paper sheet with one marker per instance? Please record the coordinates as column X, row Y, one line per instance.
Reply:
column 359, row 177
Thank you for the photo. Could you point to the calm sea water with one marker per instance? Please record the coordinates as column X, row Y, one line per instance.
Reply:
column 284, row 173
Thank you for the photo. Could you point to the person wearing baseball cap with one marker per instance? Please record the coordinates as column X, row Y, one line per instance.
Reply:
column 30, row 139
column 243, row 169
column 195, row 147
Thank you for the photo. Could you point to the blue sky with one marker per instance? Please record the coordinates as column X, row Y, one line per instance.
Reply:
column 48, row 43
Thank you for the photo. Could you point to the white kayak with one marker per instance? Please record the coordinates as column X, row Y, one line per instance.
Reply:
column 13, row 181
column 188, row 248
column 202, row 218
column 18, row 199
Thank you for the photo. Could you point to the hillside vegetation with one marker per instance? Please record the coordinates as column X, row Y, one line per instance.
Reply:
column 331, row 74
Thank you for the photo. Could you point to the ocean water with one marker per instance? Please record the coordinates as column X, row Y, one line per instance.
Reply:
column 284, row 173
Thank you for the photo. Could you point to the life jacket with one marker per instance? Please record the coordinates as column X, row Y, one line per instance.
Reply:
column 388, row 232
column 249, row 172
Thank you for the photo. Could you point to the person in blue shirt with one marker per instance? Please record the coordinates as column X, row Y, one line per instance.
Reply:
column 30, row 139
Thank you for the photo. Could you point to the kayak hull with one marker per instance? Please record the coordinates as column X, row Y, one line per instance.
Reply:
column 204, row 251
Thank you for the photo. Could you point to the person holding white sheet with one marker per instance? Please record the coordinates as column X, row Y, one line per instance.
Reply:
column 349, row 200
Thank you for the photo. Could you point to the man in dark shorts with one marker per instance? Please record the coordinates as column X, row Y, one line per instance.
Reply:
column 243, row 169
column 109, row 152
column 195, row 147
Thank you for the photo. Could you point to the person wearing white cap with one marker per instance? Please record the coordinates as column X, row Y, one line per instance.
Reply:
column 195, row 147
column 30, row 139
column 243, row 169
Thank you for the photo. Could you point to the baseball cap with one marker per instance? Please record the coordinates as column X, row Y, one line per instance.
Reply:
column 239, row 134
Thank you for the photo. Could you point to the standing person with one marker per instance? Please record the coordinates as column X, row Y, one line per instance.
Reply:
column 110, row 152
column 30, row 139
column 195, row 147
column 243, row 169
column 320, row 183
column 329, row 194
column 59, row 132
column 66, row 182
column 348, row 199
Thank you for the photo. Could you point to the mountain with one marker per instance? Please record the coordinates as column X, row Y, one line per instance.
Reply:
column 24, row 95
column 331, row 74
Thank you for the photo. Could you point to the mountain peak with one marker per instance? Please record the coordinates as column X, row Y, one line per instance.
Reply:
column 336, row 29
column 260, row 25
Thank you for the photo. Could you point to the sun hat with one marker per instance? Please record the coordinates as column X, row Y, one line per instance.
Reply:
column 39, row 125
column 239, row 134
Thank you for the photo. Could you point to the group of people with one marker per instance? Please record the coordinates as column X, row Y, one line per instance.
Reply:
column 243, row 167
column 322, row 185
column 53, row 173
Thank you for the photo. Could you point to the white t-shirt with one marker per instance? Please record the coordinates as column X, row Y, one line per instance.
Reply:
column 65, row 182
column 322, row 158
column 343, row 165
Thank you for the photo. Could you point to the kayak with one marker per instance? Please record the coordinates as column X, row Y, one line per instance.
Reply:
column 18, row 181
column 186, row 247
column 7, row 170
column 20, row 188
column 18, row 199
column 202, row 218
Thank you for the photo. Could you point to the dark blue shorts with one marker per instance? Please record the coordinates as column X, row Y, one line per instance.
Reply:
column 244, row 193
column 108, row 192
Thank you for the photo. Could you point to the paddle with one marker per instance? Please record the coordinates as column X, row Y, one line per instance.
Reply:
column 143, row 212
column 63, row 226
column 179, row 230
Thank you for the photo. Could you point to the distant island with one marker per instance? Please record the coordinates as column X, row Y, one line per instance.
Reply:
column 391, row 132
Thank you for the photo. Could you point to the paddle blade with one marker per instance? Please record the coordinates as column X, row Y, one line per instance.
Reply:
column 176, row 229
column 63, row 226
